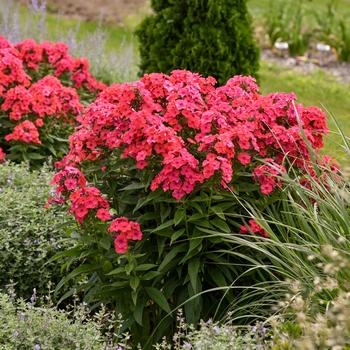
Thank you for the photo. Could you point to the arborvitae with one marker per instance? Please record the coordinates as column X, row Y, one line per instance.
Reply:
column 211, row 37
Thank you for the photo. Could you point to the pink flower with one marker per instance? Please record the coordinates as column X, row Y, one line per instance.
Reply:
column 127, row 230
column 244, row 158
column 71, row 184
column 120, row 244
column 255, row 228
column 103, row 214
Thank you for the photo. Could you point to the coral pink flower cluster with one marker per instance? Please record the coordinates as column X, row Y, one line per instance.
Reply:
column 55, row 58
column 186, row 131
column 127, row 230
column 87, row 200
column 268, row 176
column 33, row 91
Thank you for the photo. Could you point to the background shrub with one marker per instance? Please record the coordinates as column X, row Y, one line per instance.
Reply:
column 30, row 234
column 209, row 37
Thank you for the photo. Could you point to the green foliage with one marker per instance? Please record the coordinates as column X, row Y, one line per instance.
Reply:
column 333, row 28
column 209, row 37
column 307, row 285
column 286, row 23
column 182, row 260
column 29, row 233
column 275, row 21
column 25, row 326
column 300, row 223
column 325, row 22
column 313, row 315
column 342, row 41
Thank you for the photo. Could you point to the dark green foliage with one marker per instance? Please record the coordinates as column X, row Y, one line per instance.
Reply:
column 29, row 233
column 211, row 37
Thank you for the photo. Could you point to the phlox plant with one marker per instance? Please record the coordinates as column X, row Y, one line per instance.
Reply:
column 42, row 91
column 150, row 176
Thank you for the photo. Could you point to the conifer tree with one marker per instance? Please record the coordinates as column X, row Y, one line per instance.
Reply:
column 211, row 37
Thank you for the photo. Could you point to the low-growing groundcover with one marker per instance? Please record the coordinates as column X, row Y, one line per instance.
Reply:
column 150, row 176
column 30, row 234
column 42, row 91
column 27, row 326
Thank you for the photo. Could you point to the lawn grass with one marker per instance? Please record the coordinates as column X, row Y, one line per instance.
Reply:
column 258, row 8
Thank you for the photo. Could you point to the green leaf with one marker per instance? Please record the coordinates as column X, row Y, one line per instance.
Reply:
column 143, row 201
column 75, row 252
column 105, row 242
column 159, row 298
column 133, row 186
column 193, row 269
column 247, row 187
column 171, row 255
column 134, row 295
column 177, row 235
column 161, row 245
column 83, row 269
column 221, row 224
column 203, row 197
column 218, row 277
column 52, row 150
column 134, row 282
column 197, row 216
column 148, row 217
column 196, row 206
column 220, row 209
column 165, row 211
column 138, row 312
column 150, row 275
column 120, row 284
column 117, row 271
column 163, row 226
column 35, row 156
column 195, row 242
column 180, row 215
column 145, row 267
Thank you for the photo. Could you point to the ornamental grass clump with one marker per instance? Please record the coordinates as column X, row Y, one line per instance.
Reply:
column 42, row 91
column 150, row 176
